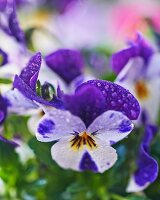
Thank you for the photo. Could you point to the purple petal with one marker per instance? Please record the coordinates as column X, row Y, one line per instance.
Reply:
column 87, row 163
column 14, row 24
column 30, row 94
column 30, row 73
column 147, row 171
column 3, row 109
column 116, row 98
column 139, row 48
column 8, row 141
column 3, row 4
column 4, row 57
column 88, row 102
column 68, row 64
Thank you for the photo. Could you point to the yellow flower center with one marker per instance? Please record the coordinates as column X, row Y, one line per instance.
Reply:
column 81, row 140
column 141, row 90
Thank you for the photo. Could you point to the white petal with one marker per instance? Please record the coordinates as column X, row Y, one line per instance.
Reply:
column 133, row 187
column 24, row 151
column 57, row 124
column 152, row 103
column 102, row 158
column 111, row 126
column 19, row 103
column 34, row 121
column 65, row 156
column 154, row 66
column 130, row 71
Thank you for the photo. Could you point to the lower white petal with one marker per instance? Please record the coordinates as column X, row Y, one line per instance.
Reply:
column 65, row 156
column 99, row 159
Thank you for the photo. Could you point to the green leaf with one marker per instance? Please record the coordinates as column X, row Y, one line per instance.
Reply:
column 8, row 156
column 42, row 151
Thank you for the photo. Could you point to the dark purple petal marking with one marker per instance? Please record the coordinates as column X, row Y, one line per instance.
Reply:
column 116, row 97
column 87, row 103
column 138, row 48
column 125, row 126
column 68, row 64
column 30, row 73
column 87, row 163
column 46, row 126
column 147, row 171
column 112, row 142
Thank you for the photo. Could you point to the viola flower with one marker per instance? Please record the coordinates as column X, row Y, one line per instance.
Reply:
column 89, row 126
column 12, row 27
column 138, row 70
column 147, row 166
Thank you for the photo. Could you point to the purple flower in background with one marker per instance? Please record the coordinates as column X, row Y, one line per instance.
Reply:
column 147, row 166
column 138, row 48
column 86, row 130
column 140, row 74
column 62, row 5
column 68, row 64
column 9, row 21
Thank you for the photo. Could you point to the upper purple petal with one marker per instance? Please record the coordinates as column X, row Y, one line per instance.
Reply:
column 68, row 64
column 30, row 73
column 147, row 171
column 4, row 57
column 138, row 48
column 87, row 103
column 116, row 98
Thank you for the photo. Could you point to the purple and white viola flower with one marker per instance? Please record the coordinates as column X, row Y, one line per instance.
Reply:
column 90, row 125
column 69, row 65
column 139, row 71
column 147, row 166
